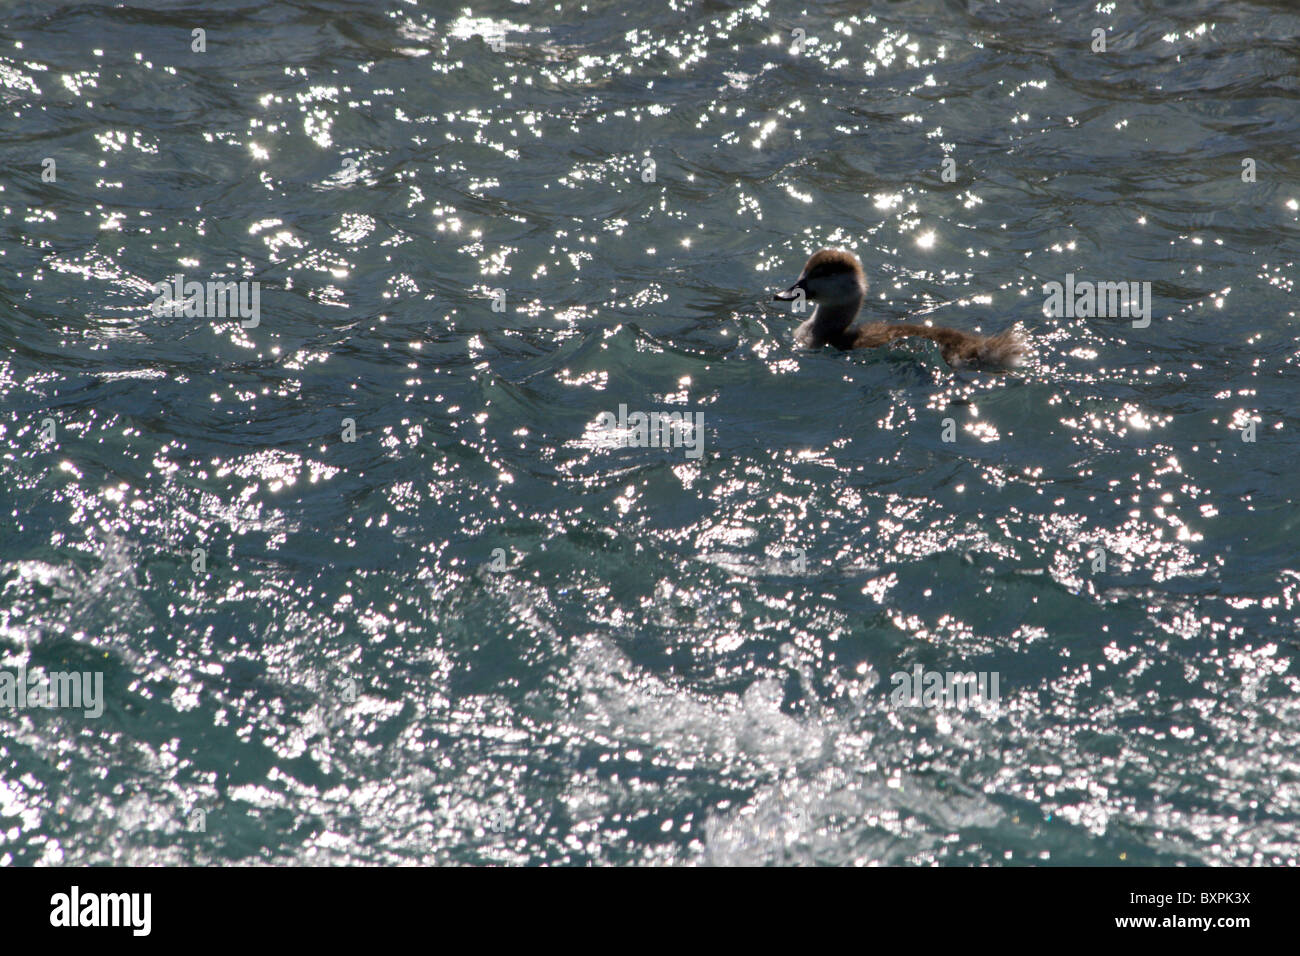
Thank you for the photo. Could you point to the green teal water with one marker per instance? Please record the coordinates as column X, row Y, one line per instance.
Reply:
column 487, row 631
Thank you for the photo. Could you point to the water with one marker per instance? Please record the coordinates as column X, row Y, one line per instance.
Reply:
column 670, row 659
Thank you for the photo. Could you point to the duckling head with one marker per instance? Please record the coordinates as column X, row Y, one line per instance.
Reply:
column 832, row 277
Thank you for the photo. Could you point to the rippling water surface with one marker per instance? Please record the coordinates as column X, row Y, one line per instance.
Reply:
column 488, row 631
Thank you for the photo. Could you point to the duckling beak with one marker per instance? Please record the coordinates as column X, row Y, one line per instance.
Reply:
column 791, row 293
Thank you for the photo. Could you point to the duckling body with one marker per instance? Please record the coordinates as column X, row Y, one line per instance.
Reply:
column 833, row 279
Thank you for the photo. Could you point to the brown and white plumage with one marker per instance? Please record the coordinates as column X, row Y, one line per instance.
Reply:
column 834, row 281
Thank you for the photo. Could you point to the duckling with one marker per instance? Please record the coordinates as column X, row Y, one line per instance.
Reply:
column 833, row 279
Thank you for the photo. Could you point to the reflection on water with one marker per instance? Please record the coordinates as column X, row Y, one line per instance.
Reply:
column 473, row 626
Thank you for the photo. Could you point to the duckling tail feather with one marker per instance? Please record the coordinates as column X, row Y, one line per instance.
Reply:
column 1006, row 349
